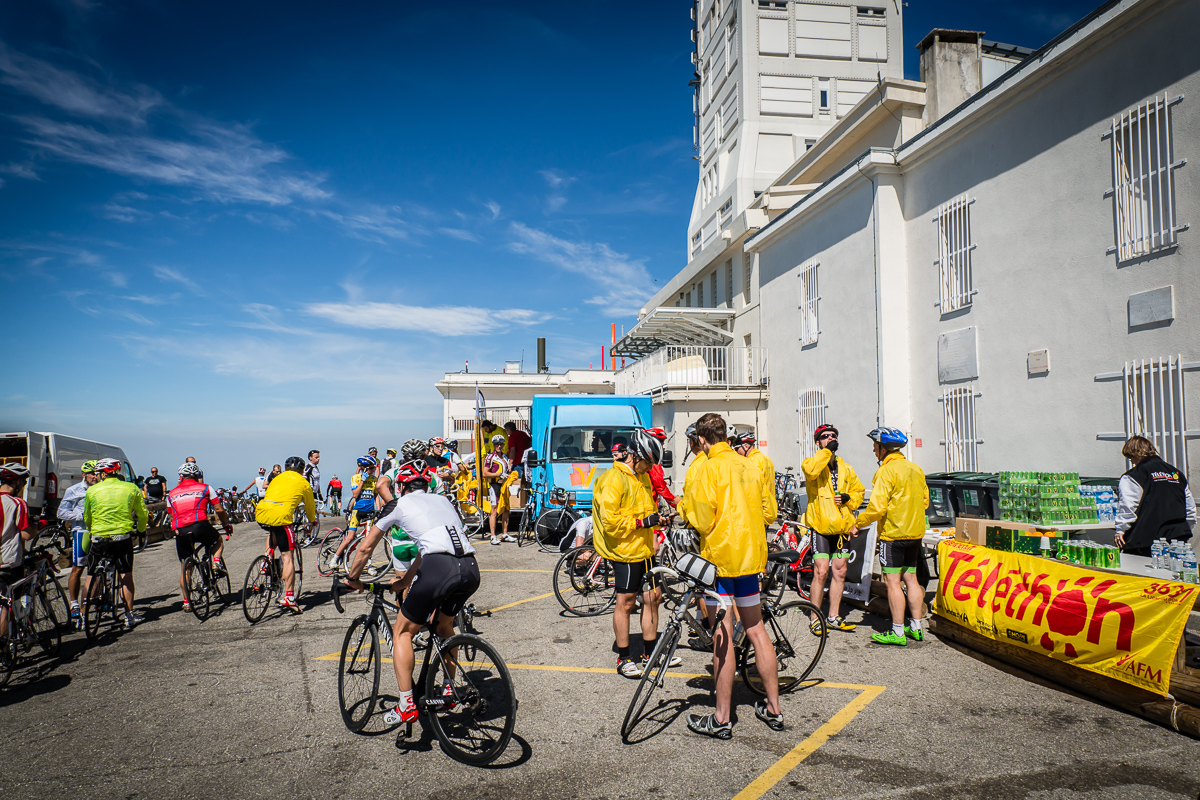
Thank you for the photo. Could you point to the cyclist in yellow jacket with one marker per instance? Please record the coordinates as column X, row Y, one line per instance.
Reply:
column 698, row 459
column 275, row 514
column 727, row 506
column 624, row 519
column 834, row 492
column 744, row 445
column 899, row 497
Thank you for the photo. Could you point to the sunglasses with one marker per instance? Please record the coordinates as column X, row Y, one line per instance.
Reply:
column 828, row 435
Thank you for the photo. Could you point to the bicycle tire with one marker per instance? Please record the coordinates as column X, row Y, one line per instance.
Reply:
column 195, row 583
column 221, row 588
column 93, row 606
column 525, row 530
column 257, row 590
column 797, row 648
column 115, row 604
column 357, row 709
column 652, row 678
column 584, row 595
column 8, row 661
column 550, row 529
column 472, row 518
column 327, row 549
column 803, row 574
column 477, row 726
column 297, row 574
column 45, row 625
column 58, row 599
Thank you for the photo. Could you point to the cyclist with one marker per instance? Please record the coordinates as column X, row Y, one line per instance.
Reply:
column 442, row 578
column 725, row 503
column 698, row 459
column 496, row 468
column 389, row 460
column 155, row 487
column 71, row 510
column 834, row 493
column 275, row 514
column 334, row 493
column 625, row 520
column 373, row 453
column 312, row 474
column 259, row 483
column 658, row 479
column 190, row 502
column 899, row 497
column 490, row 431
column 111, row 510
column 361, row 506
column 15, row 529
column 745, row 444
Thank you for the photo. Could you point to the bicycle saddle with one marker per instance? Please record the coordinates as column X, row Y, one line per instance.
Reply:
column 783, row 557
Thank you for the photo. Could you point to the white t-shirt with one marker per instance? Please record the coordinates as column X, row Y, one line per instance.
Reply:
column 580, row 531
column 431, row 522
column 14, row 517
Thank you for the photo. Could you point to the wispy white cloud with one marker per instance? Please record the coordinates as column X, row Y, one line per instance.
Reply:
column 373, row 223
column 117, row 279
column 151, row 301
column 20, row 170
column 493, row 207
column 459, row 233
column 624, row 282
column 175, row 276
column 74, row 93
column 441, row 320
column 555, row 179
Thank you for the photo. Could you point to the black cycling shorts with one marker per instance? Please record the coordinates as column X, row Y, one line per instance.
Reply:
column 629, row 576
column 900, row 555
column 281, row 537
column 120, row 551
column 188, row 537
column 443, row 583
column 827, row 546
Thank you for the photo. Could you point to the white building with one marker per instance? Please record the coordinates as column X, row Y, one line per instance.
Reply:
column 1002, row 269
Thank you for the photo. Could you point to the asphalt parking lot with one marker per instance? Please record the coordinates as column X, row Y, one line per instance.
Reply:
column 179, row 709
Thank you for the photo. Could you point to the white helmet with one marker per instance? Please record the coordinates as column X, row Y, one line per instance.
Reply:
column 190, row 469
column 498, row 439
column 646, row 446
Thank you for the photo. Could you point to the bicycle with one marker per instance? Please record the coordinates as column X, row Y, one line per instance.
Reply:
column 202, row 582
column 330, row 544
column 790, row 536
column 30, row 619
column 798, row 648
column 473, row 518
column 39, row 559
column 103, row 597
column 585, row 584
column 465, row 690
column 306, row 533
column 264, row 580
column 548, row 528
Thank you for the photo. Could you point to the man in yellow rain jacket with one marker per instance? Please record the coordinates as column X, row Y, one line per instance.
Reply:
column 698, row 459
column 275, row 514
column 834, row 492
column 624, row 518
column 727, row 506
column 744, row 445
column 899, row 497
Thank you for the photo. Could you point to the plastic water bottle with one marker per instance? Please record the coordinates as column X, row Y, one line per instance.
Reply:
column 1176, row 560
column 1156, row 552
column 1188, row 571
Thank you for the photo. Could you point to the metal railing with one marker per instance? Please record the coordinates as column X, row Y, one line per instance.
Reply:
column 677, row 366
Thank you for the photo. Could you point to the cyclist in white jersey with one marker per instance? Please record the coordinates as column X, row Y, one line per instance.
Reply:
column 442, row 578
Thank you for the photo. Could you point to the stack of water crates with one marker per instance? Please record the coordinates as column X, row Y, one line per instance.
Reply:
column 1045, row 498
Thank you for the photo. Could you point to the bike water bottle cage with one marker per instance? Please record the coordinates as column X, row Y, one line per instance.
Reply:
column 700, row 570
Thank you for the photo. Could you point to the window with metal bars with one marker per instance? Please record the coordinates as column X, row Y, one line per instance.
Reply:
column 712, row 287
column 1144, row 179
column 812, row 416
column 1154, row 405
column 747, row 275
column 957, row 285
column 961, row 432
column 809, row 302
column 729, row 283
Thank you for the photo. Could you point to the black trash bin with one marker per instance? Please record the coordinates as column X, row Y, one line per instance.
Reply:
column 941, row 498
column 977, row 495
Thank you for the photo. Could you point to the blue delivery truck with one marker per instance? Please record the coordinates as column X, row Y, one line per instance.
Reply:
column 573, row 436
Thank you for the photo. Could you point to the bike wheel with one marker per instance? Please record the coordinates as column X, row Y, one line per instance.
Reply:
column 93, row 606
column 58, row 600
column 803, row 574
column 195, row 582
column 472, row 518
column 673, row 588
column 116, row 606
column 525, row 531
column 45, row 625
column 584, row 588
column 652, row 678
column 358, row 673
column 221, row 589
column 326, row 550
column 551, row 527
column 257, row 590
column 797, row 648
column 297, row 574
column 471, row 704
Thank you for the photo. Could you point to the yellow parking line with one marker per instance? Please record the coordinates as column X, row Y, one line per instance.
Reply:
column 517, row 570
column 526, row 600
column 777, row 771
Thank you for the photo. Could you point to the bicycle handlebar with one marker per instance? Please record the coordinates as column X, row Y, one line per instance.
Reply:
column 721, row 601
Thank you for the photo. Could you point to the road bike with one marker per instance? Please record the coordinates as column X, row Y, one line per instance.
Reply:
column 328, row 549
column 464, row 687
column 798, row 647
column 31, row 620
column 547, row 529
column 778, row 576
column 264, row 580
column 306, row 533
column 585, row 584
column 42, row 561
column 203, row 583
column 103, row 598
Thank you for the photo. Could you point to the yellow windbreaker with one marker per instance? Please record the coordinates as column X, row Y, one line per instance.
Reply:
column 899, row 497
column 619, row 499
column 766, row 467
column 285, row 493
column 823, row 515
column 726, row 504
column 697, row 461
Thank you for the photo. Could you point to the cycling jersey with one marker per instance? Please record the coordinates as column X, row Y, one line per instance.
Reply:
column 366, row 498
column 431, row 522
column 14, row 518
column 313, row 473
column 190, row 503
column 493, row 460
column 113, row 507
column 284, row 495
column 402, row 549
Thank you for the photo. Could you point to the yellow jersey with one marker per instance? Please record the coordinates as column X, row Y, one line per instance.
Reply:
column 285, row 493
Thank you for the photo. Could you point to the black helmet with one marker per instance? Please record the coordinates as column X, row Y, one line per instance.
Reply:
column 294, row 463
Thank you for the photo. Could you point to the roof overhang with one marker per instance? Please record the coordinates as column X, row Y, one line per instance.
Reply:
column 699, row 327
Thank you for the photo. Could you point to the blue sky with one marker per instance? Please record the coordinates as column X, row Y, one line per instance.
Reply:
column 239, row 231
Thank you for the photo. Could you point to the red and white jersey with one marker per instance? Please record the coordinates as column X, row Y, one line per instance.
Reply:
column 14, row 518
column 190, row 502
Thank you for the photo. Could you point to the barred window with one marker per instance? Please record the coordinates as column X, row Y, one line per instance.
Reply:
column 812, row 416
column 1154, row 405
column 961, row 433
column 957, row 284
column 809, row 300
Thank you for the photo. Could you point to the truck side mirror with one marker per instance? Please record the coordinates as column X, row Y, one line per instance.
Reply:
column 531, row 458
column 668, row 459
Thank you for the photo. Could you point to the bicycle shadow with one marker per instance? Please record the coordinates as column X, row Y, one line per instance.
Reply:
column 663, row 715
column 23, row 685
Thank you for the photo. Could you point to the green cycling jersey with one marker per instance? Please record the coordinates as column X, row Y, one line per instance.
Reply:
column 113, row 507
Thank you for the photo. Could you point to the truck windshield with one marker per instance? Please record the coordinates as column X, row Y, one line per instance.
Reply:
column 586, row 443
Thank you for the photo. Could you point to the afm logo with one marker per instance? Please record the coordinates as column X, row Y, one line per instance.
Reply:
column 1017, row 636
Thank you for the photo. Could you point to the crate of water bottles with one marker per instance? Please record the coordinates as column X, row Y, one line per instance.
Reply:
column 1178, row 558
column 1104, row 499
column 1046, row 498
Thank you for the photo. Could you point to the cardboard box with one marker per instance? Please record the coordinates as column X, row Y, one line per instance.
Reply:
column 1030, row 544
column 972, row 531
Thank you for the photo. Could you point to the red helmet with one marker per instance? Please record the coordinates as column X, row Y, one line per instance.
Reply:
column 108, row 465
column 657, row 433
column 415, row 470
column 823, row 429
column 742, row 439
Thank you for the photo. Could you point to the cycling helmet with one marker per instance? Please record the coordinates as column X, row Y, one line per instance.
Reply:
column 891, row 438
column 368, row 461
column 453, row 445
column 691, row 433
column 829, row 429
column 415, row 470
column 391, row 451
column 742, row 439
column 620, row 450
column 657, row 433
column 646, row 446
column 498, row 439
column 413, row 449
column 189, row 469
column 108, row 465
column 294, row 464
column 13, row 471
column 373, row 451
column 89, row 467
column 436, row 440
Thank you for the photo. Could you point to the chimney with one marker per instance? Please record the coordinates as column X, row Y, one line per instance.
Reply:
column 951, row 67
column 541, row 347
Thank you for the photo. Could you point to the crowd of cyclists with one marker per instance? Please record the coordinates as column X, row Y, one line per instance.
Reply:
column 410, row 501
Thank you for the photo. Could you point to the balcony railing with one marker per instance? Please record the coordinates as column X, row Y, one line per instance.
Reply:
column 685, row 367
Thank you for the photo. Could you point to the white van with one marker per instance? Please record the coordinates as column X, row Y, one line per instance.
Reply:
column 54, row 461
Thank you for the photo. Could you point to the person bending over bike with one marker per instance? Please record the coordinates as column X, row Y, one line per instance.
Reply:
column 361, row 506
column 71, row 510
column 834, row 493
column 15, row 530
column 275, row 514
column 442, row 578
column 190, row 502
column 112, row 509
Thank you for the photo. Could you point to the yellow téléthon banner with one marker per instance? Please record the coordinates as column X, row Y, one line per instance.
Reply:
column 1122, row 626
